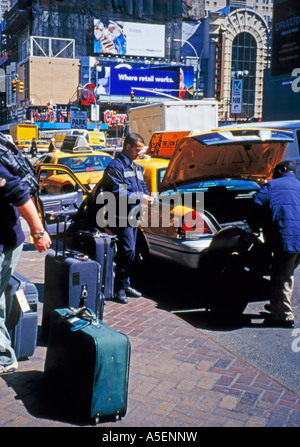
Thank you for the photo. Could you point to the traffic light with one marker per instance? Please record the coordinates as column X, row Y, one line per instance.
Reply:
column 14, row 86
column 132, row 95
column 20, row 87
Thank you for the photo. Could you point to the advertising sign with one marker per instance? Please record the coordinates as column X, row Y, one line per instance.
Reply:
column 88, row 95
column 236, row 95
column 121, row 81
column 286, row 37
column 129, row 38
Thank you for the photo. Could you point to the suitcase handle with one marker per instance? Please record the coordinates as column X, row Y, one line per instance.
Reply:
column 58, row 218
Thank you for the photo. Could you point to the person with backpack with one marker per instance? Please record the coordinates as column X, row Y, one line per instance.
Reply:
column 15, row 201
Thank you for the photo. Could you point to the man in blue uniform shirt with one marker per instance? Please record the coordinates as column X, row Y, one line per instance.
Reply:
column 278, row 213
column 124, row 179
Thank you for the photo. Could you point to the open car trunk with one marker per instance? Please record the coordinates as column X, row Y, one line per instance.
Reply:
column 228, row 207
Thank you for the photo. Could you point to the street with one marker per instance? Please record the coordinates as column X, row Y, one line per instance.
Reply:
column 272, row 350
column 180, row 374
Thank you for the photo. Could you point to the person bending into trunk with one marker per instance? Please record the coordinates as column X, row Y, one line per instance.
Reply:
column 277, row 207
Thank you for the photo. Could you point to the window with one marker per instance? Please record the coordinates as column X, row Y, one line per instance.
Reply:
column 244, row 49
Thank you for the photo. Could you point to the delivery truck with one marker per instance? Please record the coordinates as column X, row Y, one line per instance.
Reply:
column 24, row 132
column 177, row 116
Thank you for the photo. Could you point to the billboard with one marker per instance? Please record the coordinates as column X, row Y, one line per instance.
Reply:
column 129, row 38
column 286, row 37
column 122, row 80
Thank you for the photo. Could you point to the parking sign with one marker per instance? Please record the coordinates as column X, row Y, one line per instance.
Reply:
column 78, row 119
column 236, row 95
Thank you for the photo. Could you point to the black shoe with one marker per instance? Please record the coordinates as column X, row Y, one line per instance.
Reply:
column 121, row 297
column 132, row 292
column 289, row 324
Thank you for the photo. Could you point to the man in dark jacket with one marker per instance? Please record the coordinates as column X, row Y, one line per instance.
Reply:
column 15, row 200
column 278, row 206
column 33, row 149
column 124, row 179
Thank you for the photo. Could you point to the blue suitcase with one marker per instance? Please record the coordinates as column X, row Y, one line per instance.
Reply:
column 72, row 279
column 87, row 366
column 22, row 326
column 100, row 247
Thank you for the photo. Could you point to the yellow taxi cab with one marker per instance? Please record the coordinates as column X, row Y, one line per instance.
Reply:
column 154, row 170
column 88, row 165
column 97, row 138
column 208, row 185
column 23, row 146
column 42, row 146
column 156, row 158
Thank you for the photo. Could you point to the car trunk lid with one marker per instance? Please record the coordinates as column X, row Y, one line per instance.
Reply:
column 248, row 154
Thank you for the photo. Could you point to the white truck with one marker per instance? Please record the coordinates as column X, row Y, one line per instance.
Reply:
column 200, row 115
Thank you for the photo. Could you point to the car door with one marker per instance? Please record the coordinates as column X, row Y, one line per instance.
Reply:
column 52, row 205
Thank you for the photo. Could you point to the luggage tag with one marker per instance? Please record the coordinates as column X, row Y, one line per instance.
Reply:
column 80, row 318
column 79, row 324
column 20, row 295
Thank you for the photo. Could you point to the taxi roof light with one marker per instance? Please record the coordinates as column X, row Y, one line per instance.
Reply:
column 75, row 144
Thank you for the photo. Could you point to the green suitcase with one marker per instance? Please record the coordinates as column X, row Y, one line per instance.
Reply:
column 87, row 365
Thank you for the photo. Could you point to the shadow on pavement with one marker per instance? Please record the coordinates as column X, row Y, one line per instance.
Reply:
column 41, row 401
column 211, row 306
column 31, row 388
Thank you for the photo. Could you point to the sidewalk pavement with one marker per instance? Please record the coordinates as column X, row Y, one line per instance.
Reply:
column 179, row 376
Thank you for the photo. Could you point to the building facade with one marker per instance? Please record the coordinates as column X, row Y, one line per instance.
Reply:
column 70, row 57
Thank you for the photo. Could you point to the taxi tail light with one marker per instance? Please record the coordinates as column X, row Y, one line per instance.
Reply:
column 194, row 223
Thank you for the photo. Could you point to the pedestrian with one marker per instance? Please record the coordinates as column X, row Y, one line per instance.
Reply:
column 15, row 201
column 33, row 149
column 124, row 179
column 277, row 209
column 52, row 146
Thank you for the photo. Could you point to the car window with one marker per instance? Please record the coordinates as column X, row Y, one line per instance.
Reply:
column 85, row 163
column 216, row 185
column 42, row 159
column 229, row 184
column 160, row 175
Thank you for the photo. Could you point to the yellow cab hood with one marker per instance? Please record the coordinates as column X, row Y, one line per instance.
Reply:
column 250, row 154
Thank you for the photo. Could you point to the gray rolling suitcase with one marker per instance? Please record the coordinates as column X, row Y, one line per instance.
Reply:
column 100, row 247
column 87, row 366
column 22, row 325
column 71, row 279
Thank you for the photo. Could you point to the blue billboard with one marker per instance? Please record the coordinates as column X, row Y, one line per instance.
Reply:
column 122, row 80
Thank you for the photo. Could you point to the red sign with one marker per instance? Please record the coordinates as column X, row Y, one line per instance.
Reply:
column 112, row 118
column 46, row 115
column 88, row 95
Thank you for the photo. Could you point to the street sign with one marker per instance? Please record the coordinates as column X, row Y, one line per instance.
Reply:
column 236, row 95
column 95, row 112
column 78, row 119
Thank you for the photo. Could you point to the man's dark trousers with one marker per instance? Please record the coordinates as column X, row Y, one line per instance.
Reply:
column 126, row 245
